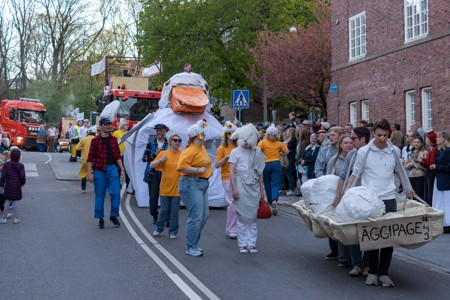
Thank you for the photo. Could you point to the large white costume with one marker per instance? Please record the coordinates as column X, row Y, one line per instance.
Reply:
column 137, row 138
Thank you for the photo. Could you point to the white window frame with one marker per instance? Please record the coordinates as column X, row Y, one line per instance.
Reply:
column 357, row 36
column 416, row 19
column 427, row 116
column 365, row 110
column 353, row 112
column 410, row 97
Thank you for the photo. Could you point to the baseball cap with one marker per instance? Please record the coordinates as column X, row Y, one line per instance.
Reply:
column 104, row 121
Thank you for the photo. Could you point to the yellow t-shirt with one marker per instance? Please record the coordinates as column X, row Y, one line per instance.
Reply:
column 223, row 151
column 196, row 157
column 272, row 149
column 118, row 134
column 170, row 175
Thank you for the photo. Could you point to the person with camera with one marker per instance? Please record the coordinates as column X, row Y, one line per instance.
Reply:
column 152, row 176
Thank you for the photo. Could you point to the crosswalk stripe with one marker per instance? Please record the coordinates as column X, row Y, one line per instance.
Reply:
column 31, row 170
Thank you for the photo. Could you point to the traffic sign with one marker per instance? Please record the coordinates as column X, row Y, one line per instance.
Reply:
column 241, row 99
column 333, row 88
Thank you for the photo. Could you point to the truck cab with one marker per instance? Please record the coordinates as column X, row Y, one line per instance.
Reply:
column 21, row 120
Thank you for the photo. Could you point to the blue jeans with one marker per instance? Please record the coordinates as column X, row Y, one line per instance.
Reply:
column 41, row 147
column 169, row 206
column 291, row 175
column 193, row 192
column 153, row 189
column 107, row 181
column 272, row 180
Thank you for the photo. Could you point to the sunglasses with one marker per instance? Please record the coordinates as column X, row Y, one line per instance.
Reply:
column 354, row 137
column 177, row 140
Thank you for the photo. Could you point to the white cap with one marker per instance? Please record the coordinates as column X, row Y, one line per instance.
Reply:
column 122, row 122
column 93, row 129
column 197, row 128
column 272, row 130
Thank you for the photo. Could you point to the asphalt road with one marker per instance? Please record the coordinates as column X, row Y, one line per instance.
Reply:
column 57, row 252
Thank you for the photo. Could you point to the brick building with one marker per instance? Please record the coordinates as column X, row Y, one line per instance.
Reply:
column 391, row 59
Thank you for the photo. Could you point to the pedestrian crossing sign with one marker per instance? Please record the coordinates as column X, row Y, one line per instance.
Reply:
column 241, row 99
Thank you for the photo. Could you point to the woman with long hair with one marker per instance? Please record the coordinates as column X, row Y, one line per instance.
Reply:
column 195, row 167
column 416, row 172
column 441, row 191
column 166, row 161
column 335, row 167
column 222, row 157
column 272, row 148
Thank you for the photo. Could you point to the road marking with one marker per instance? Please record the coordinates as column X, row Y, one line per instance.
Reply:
column 174, row 277
column 49, row 158
column 31, row 170
column 169, row 256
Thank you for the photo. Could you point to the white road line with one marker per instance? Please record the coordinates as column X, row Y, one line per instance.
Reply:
column 174, row 277
column 30, row 167
column 169, row 256
column 31, row 174
column 49, row 158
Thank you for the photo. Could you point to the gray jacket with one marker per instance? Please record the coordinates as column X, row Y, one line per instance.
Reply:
column 324, row 156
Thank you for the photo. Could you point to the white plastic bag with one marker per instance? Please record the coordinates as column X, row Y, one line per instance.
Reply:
column 358, row 204
column 320, row 192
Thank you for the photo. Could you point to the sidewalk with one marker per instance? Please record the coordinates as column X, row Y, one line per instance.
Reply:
column 434, row 254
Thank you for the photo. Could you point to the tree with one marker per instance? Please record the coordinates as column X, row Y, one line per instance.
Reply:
column 296, row 65
column 5, row 50
column 213, row 35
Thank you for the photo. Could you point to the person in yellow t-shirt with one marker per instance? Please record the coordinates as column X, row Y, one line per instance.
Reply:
column 272, row 148
column 123, row 128
column 195, row 167
column 166, row 162
column 222, row 156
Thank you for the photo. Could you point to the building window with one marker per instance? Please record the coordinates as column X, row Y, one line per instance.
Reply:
column 410, row 109
column 427, row 118
column 357, row 36
column 353, row 114
column 416, row 19
column 365, row 110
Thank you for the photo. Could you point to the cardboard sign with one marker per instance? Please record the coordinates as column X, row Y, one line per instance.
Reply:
column 391, row 232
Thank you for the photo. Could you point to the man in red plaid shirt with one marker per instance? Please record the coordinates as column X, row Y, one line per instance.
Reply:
column 104, row 163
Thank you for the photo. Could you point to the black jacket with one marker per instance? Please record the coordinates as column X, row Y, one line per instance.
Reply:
column 309, row 156
column 443, row 170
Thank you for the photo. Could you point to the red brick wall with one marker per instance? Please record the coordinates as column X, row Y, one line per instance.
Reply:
column 383, row 78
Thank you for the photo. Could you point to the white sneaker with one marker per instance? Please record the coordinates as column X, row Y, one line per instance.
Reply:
column 372, row 279
column 172, row 236
column 356, row 271
column 16, row 220
column 156, row 233
column 3, row 221
column 232, row 235
column 243, row 249
column 290, row 193
column 386, row 281
column 252, row 250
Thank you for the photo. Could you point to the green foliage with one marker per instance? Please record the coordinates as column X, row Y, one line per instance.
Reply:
column 61, row 101
column 213, row 36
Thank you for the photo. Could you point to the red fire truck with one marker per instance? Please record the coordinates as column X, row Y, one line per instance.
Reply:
column 135, row 105
column 20, row 119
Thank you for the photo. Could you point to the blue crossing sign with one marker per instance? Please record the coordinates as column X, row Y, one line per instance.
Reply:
column 241, row 99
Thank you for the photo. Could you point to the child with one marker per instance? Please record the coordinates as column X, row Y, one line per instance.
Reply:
column 12, row 180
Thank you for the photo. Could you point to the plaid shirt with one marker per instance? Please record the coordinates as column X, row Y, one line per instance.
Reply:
column 97, row 152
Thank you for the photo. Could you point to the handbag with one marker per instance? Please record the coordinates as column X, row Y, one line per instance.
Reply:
column 264, row 211
column 300, row 169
